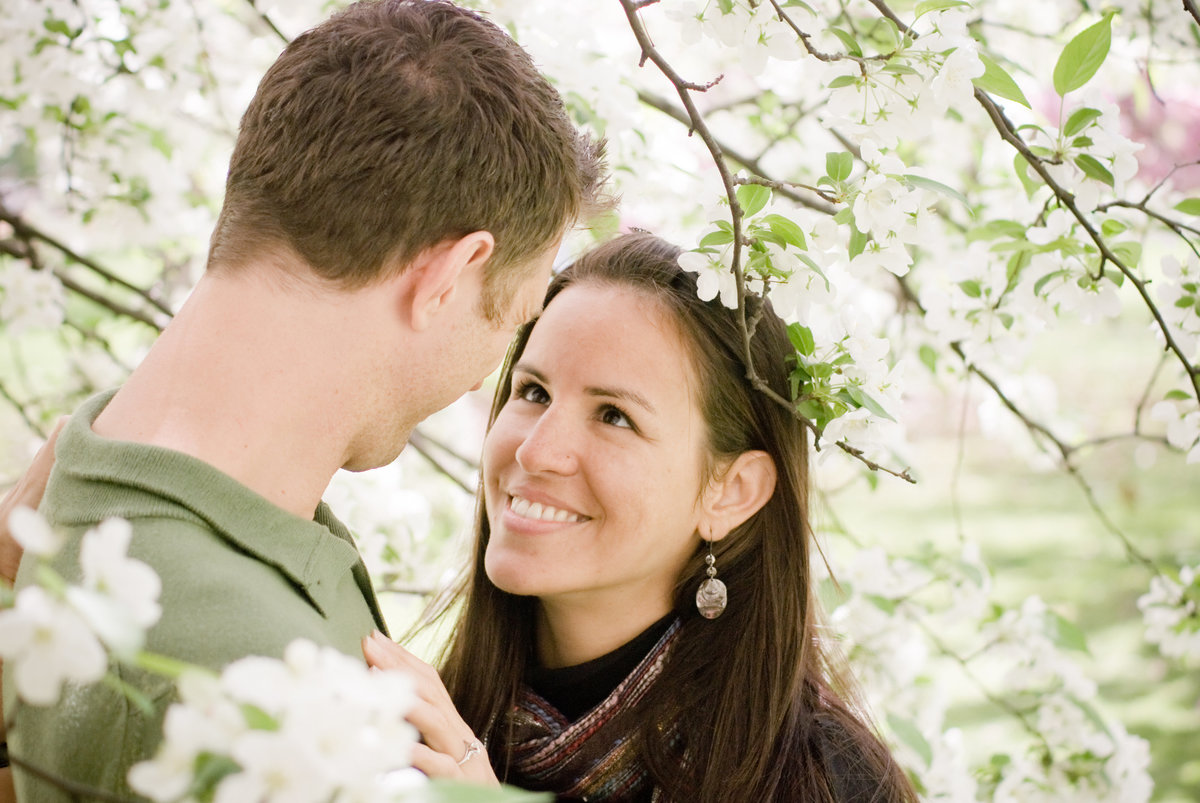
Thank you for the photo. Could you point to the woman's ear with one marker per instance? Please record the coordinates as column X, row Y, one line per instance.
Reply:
column 736, row 494
column 440, row 272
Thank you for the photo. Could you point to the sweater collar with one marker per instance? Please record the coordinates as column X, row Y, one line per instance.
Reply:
column 158, row 482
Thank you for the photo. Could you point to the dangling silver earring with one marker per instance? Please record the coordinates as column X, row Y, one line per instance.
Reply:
column 712, row 597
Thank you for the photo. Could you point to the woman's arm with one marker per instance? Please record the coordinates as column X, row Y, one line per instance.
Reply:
column 449, row 749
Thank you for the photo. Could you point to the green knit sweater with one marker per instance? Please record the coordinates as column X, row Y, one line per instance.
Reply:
column 240, row 576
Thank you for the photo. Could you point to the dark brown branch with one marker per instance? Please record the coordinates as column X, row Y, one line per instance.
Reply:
column 107, row 303
column 27, row 231
column 806, row 40
column 1190, row 7
column 887, row 12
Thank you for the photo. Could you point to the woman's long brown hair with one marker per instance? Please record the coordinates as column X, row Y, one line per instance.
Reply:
column 750, row 706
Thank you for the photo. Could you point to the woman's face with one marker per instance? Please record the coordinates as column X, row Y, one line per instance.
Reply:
column 593, row 468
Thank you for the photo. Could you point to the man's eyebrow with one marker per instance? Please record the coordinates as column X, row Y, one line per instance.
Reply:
column 621, row 394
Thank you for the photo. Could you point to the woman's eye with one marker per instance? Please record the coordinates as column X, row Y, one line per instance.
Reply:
column 531, row 392
column 615, row 417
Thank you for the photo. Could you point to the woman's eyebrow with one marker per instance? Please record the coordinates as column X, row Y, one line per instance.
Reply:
column 623, row 394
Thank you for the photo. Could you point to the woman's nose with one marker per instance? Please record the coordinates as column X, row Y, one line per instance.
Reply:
column 549, row 445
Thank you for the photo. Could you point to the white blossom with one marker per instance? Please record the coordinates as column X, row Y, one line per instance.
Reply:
column 45, row 644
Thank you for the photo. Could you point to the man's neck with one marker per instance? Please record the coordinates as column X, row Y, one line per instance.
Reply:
column 256, row 378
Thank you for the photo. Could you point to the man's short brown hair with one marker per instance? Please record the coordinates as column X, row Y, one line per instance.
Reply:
column 393, row 126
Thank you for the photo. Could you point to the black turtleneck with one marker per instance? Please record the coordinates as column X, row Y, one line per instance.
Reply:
column 575, row 690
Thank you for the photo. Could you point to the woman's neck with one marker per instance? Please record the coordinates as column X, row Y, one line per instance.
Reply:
column 572, row 631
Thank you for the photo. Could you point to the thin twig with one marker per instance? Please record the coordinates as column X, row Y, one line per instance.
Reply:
column 21, row 411
column 27, row 231
column 104, row 301
column 270, row 23
column 748, row 162
column 437, row 464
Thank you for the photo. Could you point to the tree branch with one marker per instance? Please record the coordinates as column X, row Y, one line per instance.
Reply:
column 1009, row 134
column 698, row 125
column 27, row 231
column 749, row 162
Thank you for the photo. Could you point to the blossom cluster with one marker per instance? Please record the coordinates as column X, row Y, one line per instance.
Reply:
column 1171, row 610
column 56, row 633
column 316, row 726
column 905, row 617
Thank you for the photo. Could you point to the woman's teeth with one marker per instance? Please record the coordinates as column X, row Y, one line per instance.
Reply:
column 539, row 512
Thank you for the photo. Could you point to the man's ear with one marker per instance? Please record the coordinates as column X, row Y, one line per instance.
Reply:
column 440, row 272
column 736, row 494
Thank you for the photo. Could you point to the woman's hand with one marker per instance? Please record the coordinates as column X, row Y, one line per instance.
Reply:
column 26, row 493
column 450, row 749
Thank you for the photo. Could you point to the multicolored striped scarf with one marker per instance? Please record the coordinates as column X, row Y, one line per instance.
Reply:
column 593, row 758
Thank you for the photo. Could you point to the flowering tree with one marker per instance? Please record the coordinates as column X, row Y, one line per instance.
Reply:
column 931, row 193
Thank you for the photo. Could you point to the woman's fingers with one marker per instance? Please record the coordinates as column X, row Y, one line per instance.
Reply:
column 447, row 738
column 435, row 764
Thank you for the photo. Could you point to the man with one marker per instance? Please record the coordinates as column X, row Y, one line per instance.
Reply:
column 396, row 196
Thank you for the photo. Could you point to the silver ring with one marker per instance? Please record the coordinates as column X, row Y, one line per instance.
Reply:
column 473, row 748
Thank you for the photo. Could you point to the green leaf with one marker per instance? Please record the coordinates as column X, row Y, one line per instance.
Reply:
column 838, row 165
column 929, row 357
column 848, row 40
column 864, row 399
column 858, row 241
column 1178, row 395
column 1030, row 183
column 843, row 80
column 1091, row 167
column 726, row 6
column 971, row 288
column 790, row 231
column 998, row 82
column 1111, row 228
column 258, row 719
column 802, row 338
column 209, row 770
column 443, row 791
column 1185, row 302
column 1130, row 252
column 1191, row 206
column 1065, row 633
column 927, row 6
column 752, row 198
column 1082, row 56
column 882, row 603
column 938, row 187
column 907, row 732
column 1042, row 282
column 1079, row 120
column 996, row 228
column 716, row 238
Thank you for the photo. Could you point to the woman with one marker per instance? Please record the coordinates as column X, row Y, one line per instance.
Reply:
column 628, row 464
